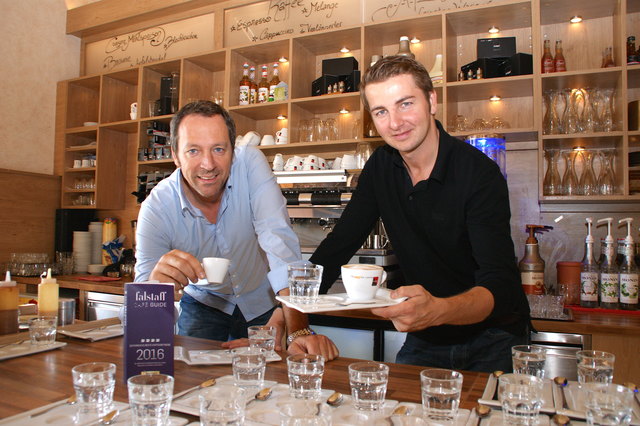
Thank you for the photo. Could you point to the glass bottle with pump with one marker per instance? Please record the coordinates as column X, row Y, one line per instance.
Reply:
column 628, row 272
column 589, row 272
column 559, row 64
column 609, row 279
column 547, row 58
column 405, row 49
column 531, row 265
column 8, row 306
column 48, row 294
column 263, row 87
column 245, row 86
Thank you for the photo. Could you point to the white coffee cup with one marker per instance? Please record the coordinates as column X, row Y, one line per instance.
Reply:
column 337, row 163
column 362, row 280
column 251, row 139
column 282, row 136
column 278, row 163
column 86, row 162
column 215, row 269
column 307, row 167
column 322, row 163
column 77, row 164
column 310, row 160
column 348, row 161
column 267, row 140
column 134, row 111
column 293, row 163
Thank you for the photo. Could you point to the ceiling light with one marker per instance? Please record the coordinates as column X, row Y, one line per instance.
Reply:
column 344, row 111
column 576, row 19
column 495, row 98
column 494, row 30
column 415, row 40
column 345, row 50
column 281, row 117
column 283, row 59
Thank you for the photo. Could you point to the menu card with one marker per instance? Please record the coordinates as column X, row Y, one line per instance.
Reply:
column 148, row 329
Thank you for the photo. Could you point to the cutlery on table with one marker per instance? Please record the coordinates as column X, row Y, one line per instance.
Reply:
column 560, row 419
column 482, row 412
column 205, row 384
column 262, row 395
column 69, row 401
column 110, row 417
column 496, row 374
column 335, row 399
column 561, row 382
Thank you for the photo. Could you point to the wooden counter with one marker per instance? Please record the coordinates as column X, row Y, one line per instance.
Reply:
column 53, row 370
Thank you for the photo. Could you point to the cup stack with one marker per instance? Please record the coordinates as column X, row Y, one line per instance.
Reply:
column 96, row 242
column 81, row 250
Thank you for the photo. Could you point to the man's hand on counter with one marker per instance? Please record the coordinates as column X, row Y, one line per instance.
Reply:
column 177, row 267
column 315, row 344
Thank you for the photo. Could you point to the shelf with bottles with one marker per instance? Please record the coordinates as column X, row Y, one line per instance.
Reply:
column 585, row 42
column 83, row 102
column 268, row 54
column 119, row 91
column 203, row 78
column 151, row 104
column 465, row 27
column 425, row 37
column 308, row 52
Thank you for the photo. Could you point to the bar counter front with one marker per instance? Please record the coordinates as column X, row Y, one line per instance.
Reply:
column 36, row 380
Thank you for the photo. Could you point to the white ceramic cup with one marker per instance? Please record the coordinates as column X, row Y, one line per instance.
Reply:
column 86, row 162
column 251, row 139
column 215, row 268
column 337, row 163
column 134, row 111
column 278, row 163
column 348, row 161
column 322, row 163
column 77, row 164
column 267, row 140
column 362, row 280
column 282, row 136
column 293, row 163
column 307, row 167
column 311, row 160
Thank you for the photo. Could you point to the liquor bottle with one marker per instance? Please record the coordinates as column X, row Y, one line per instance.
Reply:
column 263, row 87
column 273, row 83
column 632, row 56
column 404, row 49
column 245, row 86
column 559, row 63
column 628, row 272
column 547, row 59
column 253, row 92
column 609, row 279
column 589, row 272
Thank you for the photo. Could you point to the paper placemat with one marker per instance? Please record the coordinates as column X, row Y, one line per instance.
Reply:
column 95, row 334
column 57, row 413
column 341, row 302
column 210, row 357
column 489, row 396
column 22, row 348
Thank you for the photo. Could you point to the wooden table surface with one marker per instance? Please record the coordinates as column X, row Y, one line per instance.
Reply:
column 32, row 381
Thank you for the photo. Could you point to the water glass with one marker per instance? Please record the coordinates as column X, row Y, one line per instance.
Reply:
column 305, row 375
column 150, row 398
column 93, row 383
column 297, row 412
column 368, row 382
column 441, row 391
column 262, row 336
column 248, row 365
column 304, row 282
column 521, row 398
column 222, row 405
column 595, row 366
column 528, row 359
column 608, row 404
column 42, row 330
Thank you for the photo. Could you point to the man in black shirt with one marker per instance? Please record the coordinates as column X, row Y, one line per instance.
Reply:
column 445, row 206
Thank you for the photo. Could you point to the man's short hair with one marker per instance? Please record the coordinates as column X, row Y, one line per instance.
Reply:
column 391, row 66
column 206, row 109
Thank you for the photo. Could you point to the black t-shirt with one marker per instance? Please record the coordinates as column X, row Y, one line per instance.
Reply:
column 450, row 232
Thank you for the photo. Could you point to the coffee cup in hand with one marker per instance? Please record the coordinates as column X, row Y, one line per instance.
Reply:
column 362, row 280
column 215, row 268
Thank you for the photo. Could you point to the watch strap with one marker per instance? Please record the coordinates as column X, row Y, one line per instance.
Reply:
column 302, row 332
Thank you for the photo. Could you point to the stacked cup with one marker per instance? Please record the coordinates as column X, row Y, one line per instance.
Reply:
column 81, row 250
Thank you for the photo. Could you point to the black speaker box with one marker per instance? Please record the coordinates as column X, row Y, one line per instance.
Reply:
column 67, row 221
column 319, row 85
column 339, row 66
column 519, row 64
column 351, row 81
column 491, row 68
column 498, row 47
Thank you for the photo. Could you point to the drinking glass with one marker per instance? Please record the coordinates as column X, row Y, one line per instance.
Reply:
column 42, row 330
column 569, row 179
column 521, row 398
column 552, row 184
column 368, row 382
column 317, row 132
column 528, row 359
column 222, row 405
column 459, row 123
column 297, row 412
column 304, row 282
column 262, row 336
column 607, row 179
column 595, row 366
column 304, row 130
column 248, row 366
column 588, row 184
column 363, row 152
column 479, row 124
column 355, row 129
column 440, row 393
column 608, row 404
column 150, row 398
column 305, row 375
column 93, row 383
column 330, row 129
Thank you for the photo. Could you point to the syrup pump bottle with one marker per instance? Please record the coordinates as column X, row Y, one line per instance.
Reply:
column 531, row 265
column 589, row 272
column 8, row 306
column 48, row 292
column 628, row 272
column 609, row 279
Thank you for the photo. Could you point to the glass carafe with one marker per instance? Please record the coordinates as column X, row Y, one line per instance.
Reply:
column 607, row 178
column 569, row 179
column 606, row 110
column 570, row 118
column 588, row 184
column 551, row 120
column 552, row 184
column 588, row 114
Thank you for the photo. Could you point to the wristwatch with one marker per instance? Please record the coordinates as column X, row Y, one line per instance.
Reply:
column 302, row 332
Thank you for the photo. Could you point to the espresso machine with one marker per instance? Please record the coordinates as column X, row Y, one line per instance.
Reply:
column 315, row 202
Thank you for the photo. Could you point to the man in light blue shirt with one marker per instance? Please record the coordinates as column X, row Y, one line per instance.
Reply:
column 222, row 202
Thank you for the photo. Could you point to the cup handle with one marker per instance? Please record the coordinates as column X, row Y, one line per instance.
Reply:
column 383, row 278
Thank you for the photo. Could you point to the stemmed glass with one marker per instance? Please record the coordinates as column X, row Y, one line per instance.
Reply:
column 607, row 179
column 552, row 184
column 569, row 179
column 588, row 184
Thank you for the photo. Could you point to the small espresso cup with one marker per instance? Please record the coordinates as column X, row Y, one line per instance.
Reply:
column 251, row 139
column 310, row 160
column 215, row 269
column 362, row 280
column 278, row 163
column 282, row 136
column 267, row 140
column 293, row 163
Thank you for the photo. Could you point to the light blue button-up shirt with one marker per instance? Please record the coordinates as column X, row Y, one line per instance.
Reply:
column 252, row 231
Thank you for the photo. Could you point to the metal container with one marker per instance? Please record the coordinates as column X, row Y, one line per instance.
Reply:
column 66, row 311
